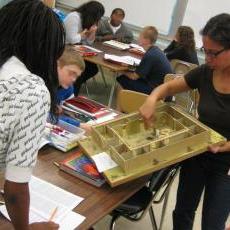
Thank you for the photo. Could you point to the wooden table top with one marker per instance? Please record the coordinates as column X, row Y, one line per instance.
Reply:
column 97, row 203
column 99, row 59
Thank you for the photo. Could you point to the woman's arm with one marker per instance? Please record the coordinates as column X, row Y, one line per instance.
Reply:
column 167, row 89
column 17, row 198
column 73, row 28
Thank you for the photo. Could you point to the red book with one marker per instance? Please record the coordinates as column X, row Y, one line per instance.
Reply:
column 85, row 51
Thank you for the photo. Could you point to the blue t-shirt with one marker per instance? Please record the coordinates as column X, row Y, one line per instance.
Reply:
column 60, row 14
column 64, row 94
column 154, row 66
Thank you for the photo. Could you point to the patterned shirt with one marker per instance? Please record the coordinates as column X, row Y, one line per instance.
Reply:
column 24, row 105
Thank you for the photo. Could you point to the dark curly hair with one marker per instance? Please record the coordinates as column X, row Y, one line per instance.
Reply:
column 91, row 13
column 33, row 33
column 185, row 38
column 218, row 29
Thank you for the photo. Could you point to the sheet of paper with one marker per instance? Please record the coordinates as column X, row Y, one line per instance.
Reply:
column 54, row 193
column 123, row 59
column 117, row 44
column 136, row 46
column 93, row 49
column 69, row 222
column 104, row 162
column 45, row 198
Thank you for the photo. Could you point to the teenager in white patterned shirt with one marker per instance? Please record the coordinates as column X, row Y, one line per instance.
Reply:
column 32, row 39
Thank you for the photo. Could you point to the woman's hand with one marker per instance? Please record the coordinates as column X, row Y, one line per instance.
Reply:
column 220, row 148
column 147, row 111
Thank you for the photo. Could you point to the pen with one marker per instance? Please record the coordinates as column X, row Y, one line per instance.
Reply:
column 53, row 214
column 56, row 164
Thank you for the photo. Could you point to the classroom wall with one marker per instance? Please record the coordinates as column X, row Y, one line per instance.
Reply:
column 138, row 14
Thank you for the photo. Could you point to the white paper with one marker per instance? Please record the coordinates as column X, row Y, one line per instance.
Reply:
column 104, row 162
column 93, row 49
column 136, row 46
column 117, row 44
column 54, row 193
column 103, row 119
column 71, row 221
column 123, row 59
column 45, row 198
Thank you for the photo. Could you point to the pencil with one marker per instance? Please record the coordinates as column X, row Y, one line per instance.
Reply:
column 56, row 164
column 53, row 214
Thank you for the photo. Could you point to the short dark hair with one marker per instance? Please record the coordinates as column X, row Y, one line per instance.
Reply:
column 218, row 29
column 91, row 13
column 116, row 10
column 33, row 33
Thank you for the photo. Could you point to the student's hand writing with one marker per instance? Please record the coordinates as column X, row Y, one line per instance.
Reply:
column 147, row 111
column 44, row 226
column 220, row 148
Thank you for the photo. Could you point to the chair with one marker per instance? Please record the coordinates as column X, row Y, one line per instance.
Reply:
column 181, row 67
column 135, row 208
column 129, row 101
column 187, row 100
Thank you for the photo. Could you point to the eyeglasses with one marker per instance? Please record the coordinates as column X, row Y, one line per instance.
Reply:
column 211, row 53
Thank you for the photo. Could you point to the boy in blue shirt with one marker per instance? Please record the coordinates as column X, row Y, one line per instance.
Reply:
column 152, row 69
column 70, row 67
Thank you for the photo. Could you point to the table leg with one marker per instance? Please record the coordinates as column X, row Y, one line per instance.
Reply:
column 112, row 90
column 102, row 75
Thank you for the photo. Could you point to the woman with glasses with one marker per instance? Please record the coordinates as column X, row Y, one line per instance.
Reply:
column 210, row 171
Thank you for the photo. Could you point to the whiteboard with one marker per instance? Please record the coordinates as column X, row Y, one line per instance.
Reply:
column 158, row 13
column 198, row 13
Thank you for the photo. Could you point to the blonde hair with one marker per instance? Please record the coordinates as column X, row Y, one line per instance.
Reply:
column 151, row 33
column 71, row 57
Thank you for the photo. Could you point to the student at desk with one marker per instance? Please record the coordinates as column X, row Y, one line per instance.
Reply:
column 183, row 47
column 152, row 69
column 81, row 26
column 32, row 39
column 70, row 67
column 114, row 28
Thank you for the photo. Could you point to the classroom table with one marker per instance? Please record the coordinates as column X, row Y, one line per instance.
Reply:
column 101, row 62
column 97, row 203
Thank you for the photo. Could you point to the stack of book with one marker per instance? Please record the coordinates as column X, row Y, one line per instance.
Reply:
column 79, row 165
column 117, row 45
column 62, row 136
column 122, row 60
column 88, row 111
